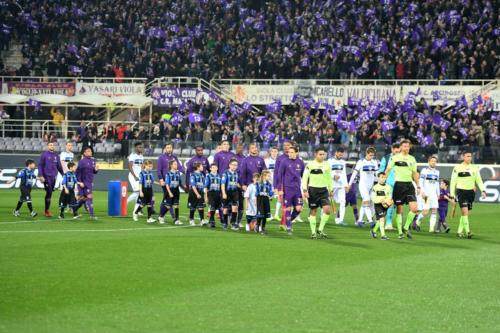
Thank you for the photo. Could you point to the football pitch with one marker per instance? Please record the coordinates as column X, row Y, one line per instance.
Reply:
column 116, row 275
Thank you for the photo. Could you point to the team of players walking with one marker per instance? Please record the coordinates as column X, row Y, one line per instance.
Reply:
column 231, row 179
column 227, row 180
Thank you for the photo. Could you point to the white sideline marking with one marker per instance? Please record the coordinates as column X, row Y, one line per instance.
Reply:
column 94, row 230
column 83, row 218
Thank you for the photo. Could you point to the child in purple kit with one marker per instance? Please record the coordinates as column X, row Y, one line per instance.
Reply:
column 444, row 198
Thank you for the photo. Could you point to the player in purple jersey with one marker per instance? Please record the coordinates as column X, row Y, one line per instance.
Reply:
column 240, row 157
column 250, row 165
column 276, row 179
column 351, row 197
column 85, row 172
column 163, row 168
column 290, row 180
column 197, row 158
column 223, row 157
column 48, row 168
column 444, row 198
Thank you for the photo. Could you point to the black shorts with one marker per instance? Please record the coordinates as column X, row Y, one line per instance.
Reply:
column 263, row 206
column 404, row 193
column 194, row 202
column 25, row 194
column 318, row 197
column 174, row 201
column 465, row 198
column 233, row 198
column 67, row 200
column 380, row 211
column 147, row 199
column 214, row 200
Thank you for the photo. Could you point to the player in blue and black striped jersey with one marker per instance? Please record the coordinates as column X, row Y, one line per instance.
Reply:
column 68, row 197
column 28, row 180
column 173, row 183
column 213, row 195
column 230, row 185
column 264, row 195
column 146, row 182
column 196, row 190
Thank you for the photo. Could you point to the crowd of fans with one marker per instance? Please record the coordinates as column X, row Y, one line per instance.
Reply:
column 381, row 39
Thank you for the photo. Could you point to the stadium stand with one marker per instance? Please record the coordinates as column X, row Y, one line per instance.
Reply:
column 386, row 39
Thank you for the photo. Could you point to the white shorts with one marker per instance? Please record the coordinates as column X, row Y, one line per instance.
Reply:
column 431, row 203
column 339, row 195
column 365, row 192
column 133, row 183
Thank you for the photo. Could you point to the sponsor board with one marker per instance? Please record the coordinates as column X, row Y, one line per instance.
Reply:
column 110, row 89
column 40, row 88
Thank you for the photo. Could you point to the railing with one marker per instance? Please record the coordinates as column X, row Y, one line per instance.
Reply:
column 30, row 128
column 63, row 79
column 328, row 82
column 449, row 154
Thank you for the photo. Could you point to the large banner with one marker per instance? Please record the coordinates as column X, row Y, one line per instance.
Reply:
column 168, row 96
column 110, row 89
column 333, row 95
column 442, row 93
column 39, row 88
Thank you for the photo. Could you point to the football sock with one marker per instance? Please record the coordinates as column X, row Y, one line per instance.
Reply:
column 356, row 216
column 163, row 210
column 312, row 224
column 288, row 217
column 432, row 222
column 380, row 224
column 191, row 214
column 409, row 219
column 19, row 205
column 361, row 214
column 466, row 224
column 323, row 220
column 461, row 225
column 150, row 211
column 90, row 206
column 390, row 214
column 30, row 206
column 234, row 217
column 341, row 211
column 420, row 217
column 201, row 213
column 368, row 212
column 399, row 222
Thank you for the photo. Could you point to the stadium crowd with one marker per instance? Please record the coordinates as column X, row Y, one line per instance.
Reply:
column 386, row 39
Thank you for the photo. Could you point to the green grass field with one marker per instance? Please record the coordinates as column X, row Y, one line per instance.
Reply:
column 116, row 275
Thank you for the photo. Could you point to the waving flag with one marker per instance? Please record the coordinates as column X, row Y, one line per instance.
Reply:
column 274, row 107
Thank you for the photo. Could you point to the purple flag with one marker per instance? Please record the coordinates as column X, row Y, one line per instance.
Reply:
column 246, row 106
column 427, row 140
column 36, row 104
column 464, row 133
column 268, row 136
column 387, row 126
column 436, row 119
column 444, row 124
column 176, row 119
column 274, row 107
column 195, row 118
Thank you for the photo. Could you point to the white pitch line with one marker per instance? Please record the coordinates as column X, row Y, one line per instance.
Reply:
column 83, row 218
column 93, row 230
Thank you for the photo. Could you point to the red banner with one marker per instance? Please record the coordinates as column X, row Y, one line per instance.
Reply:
column 39, row 88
